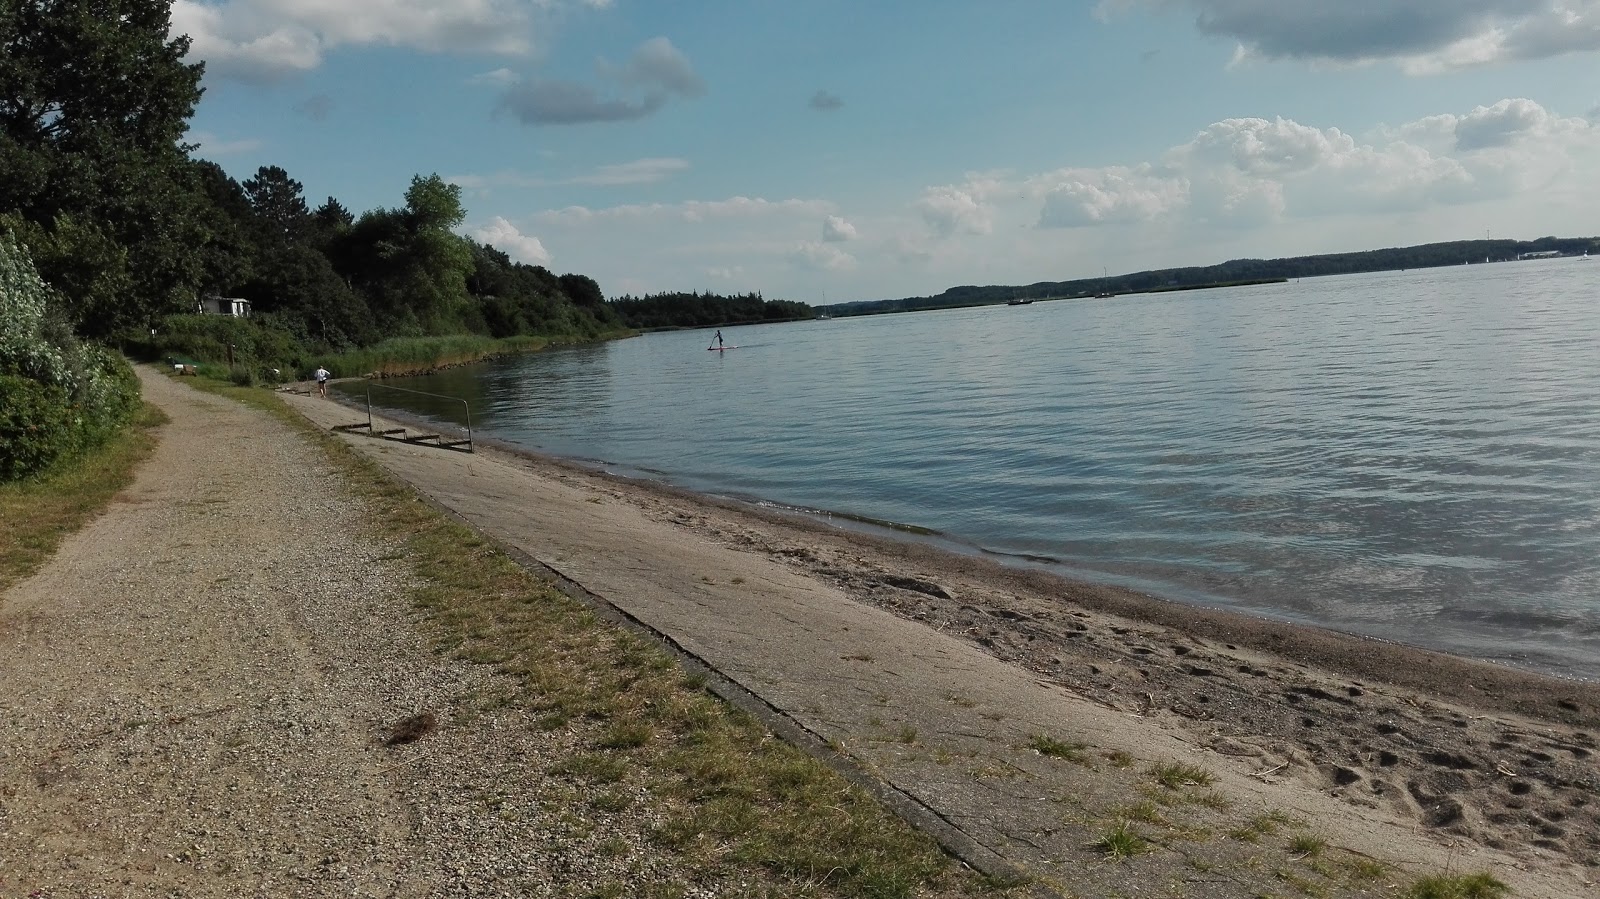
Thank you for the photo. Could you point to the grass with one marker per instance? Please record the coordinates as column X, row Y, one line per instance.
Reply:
column 1459, row 886
column 1176, row 775
column 1049, row 746
column 1121, row 841
column 729, row 799
column 41, row 511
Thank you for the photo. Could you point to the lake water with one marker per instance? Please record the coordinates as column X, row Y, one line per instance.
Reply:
column 1409, row 455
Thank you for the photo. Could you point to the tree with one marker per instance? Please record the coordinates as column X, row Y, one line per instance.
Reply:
column 277, row 201
column 94, row 99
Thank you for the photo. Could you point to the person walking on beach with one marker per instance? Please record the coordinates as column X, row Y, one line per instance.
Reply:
column 322, row 381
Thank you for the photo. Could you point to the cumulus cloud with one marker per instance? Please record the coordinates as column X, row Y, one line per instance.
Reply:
column 1422, row 36
column 267, row 39
column 825, row 101
column 1114, row 194
column 654, row 73
column 1502, row 124
column 837, row 230
column 1250, row 172
column 504, row 236
column 950, row 209
column 821, row 257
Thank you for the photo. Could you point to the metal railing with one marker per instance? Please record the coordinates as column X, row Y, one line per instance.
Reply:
column 466, row 411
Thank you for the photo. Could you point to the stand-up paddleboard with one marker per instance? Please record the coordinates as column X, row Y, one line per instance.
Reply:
column 718, row 349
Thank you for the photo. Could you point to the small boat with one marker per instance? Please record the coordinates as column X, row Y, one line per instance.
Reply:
column 1018, row 302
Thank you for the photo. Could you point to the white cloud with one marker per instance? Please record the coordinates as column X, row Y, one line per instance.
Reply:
column 950, row 209
column 688, row 211
column 498, row 77
column 640, row 171
column 837, row 230
column 1504, row 123
column 505, row 236
column 725, row 273
column 265, row 39
column 1250, row 172
column 820, row 256
column 1114, row 194
column 1422, row 36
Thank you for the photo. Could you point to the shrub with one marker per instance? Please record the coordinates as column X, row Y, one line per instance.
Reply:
column 58, row 395
column 34, row 429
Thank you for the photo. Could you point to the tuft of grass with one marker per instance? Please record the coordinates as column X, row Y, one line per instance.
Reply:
column 43, row 510
column 1121, row 841
column 1307, row 845
column 1458, row 886
column 1176, row 775
column 1120, row 760
column 1049, row 746
column 1144, row 813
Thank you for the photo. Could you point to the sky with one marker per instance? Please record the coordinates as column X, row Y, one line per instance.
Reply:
column 827, row 151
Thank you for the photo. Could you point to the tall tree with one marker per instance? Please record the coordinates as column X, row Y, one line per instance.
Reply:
column 278, row 202
column 94, row 99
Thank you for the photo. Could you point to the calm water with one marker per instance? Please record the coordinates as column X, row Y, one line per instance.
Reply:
column 1412, row 455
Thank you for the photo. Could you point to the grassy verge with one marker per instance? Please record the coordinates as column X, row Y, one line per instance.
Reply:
column 731, row 803
column 40, row 512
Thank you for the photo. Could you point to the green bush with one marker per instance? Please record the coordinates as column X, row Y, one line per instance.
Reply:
column 34, row 426
column 58, row 395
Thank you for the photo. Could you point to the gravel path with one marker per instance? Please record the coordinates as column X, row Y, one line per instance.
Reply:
column 198, row 687
column 197, row 694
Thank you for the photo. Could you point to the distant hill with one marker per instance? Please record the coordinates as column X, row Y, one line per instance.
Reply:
column 1233, row 272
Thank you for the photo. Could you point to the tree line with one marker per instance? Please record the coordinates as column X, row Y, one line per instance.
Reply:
column 1236, row 271
column 704, row 310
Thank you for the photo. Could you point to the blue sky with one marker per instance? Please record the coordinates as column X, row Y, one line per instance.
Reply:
column 826, row 151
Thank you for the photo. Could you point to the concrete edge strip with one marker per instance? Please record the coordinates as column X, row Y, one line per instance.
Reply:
column 951, row 838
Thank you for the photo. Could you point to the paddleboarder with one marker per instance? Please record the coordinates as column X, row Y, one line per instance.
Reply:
column 719, row 338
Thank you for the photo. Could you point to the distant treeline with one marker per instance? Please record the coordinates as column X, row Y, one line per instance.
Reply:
column 704, row 310
column 1233, row 272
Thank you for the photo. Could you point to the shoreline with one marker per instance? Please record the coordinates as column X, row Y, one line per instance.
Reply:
column 1257, row 630
column 1471, row 755
column 1149, row 589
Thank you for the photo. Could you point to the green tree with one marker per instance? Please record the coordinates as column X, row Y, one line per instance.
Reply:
column 94, row 100
column 278, row 202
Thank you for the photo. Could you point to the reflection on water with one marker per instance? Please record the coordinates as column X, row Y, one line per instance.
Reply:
column 1410, row 455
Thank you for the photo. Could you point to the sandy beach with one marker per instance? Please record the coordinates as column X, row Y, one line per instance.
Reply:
column 1478, row 760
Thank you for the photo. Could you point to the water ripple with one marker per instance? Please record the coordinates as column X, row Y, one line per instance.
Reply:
column 1410, row 455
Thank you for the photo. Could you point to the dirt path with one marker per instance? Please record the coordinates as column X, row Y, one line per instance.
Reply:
column 945, row 678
